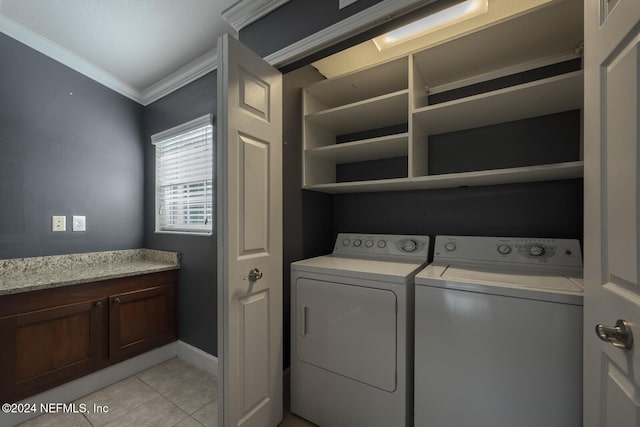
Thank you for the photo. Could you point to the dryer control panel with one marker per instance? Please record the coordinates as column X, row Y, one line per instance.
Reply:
column 516, row 250
column 392, row 246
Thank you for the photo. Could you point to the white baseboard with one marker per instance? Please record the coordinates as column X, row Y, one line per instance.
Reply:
column 197, row 357
column 88, row 384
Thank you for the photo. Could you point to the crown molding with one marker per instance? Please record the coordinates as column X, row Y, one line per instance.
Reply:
column 348, row 27
column 183, row 76
column 245, row 12
column 65, row 57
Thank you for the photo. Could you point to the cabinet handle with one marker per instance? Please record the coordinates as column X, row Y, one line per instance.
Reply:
column 116, row 300
column 98, row 304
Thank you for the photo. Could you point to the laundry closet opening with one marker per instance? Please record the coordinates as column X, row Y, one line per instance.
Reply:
column 474, row 129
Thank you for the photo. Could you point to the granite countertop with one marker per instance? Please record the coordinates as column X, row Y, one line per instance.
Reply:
column 30, row 274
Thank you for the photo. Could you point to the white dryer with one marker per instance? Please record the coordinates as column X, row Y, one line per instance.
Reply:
column 351, row 331
column 498, row 333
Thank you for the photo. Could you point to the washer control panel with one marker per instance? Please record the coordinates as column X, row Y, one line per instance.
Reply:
column 521, row 250
column 382, row 245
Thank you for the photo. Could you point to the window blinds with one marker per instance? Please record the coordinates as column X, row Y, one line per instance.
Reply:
column 184, row 177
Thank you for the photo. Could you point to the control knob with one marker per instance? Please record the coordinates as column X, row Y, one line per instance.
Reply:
column 357, row 243
column 504, row 249
column 368, row 243
column 346, row 242
column 409, row 245
column 450, row 246
column 536, row 250
column 382, row 244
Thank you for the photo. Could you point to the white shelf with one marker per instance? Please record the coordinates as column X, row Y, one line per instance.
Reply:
column 541, row 97
column 378, row 112
column 555, row 171
column 384, row 147
column 549, row 31
column 393, row 93
column 361, row 85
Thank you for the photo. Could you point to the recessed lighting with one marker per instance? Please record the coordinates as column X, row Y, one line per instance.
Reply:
column 452, row 15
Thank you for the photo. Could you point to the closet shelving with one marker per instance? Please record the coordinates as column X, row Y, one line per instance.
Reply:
column 396, row 96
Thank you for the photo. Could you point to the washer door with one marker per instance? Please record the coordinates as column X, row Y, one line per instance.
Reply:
column 348, row 330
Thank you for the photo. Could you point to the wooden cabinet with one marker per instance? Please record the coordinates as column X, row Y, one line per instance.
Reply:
column 388, row 117
column 141, row 320
column 45, row 347
column 55, row 335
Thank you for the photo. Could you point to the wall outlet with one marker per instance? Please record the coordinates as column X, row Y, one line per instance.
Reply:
column 58, row 223
column 79, row 223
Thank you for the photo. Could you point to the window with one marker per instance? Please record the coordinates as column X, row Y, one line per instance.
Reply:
column 184, row 178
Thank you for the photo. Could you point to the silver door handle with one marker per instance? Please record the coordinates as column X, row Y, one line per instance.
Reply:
column 254, row 274
column 620, row 335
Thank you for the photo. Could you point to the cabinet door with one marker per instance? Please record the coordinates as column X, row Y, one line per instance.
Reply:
column 141, row 320
column 48, row 347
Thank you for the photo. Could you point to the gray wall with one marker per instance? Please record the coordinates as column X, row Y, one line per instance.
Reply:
column 540, row 209
column 68, row 145
column 197, row 308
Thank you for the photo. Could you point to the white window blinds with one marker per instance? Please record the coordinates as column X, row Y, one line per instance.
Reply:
column 184, row 177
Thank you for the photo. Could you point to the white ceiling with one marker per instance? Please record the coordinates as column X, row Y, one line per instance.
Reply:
column 140, row 48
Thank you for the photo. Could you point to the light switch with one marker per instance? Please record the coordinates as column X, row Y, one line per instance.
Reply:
column 79, row 223
column 58, row 223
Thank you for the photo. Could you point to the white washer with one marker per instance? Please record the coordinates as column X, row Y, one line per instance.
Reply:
column 498, row 333
column 351, row 329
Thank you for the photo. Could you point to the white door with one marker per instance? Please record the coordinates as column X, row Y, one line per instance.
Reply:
column 612, row 215
column 249, row 237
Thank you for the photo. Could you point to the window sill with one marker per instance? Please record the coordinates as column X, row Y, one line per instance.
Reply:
column 186, row 233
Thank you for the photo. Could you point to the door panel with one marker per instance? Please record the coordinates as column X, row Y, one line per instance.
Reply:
column 255, row 350
column 612, row 285
column 254, row 94
column 249, row 237
column 254, row 205
column 621, row 153
column 621, row 408
column 348, row 330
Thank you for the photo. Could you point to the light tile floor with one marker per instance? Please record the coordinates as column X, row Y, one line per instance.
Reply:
column 173, row 393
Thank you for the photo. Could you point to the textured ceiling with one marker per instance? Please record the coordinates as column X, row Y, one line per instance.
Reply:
column 136, row 42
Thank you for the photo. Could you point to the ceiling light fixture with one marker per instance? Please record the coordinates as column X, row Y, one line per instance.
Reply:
column 452, row 15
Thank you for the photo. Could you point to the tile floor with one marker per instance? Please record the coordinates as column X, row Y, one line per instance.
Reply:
column 173, row 393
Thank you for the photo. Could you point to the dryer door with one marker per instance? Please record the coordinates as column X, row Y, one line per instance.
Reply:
column 348, row 330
